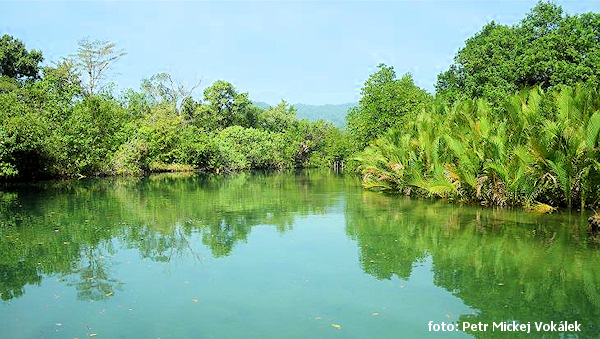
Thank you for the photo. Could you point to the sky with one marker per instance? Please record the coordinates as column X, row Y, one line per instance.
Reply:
column 300, row 51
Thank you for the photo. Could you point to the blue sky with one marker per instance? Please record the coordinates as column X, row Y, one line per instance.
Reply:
column 303, row 52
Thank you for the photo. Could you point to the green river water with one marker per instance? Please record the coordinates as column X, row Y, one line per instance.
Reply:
column 286, row 255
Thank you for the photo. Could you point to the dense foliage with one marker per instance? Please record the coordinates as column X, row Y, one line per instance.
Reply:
column 541, row 147
column 385, row 100
column 482, row 139
column 55, row 126
column 15, row 61
column 546, row 48
column 514, row 121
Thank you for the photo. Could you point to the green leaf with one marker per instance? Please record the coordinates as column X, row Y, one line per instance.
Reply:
column 593, row 127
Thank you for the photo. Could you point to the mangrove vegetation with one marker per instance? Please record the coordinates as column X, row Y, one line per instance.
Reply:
column 64, row 121
column 514, row 122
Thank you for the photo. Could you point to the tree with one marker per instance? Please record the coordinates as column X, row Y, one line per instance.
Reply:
column 278, row 118
column 163, row 88
column 385, row 100
column 546, row 48
column 228, row 106
column 486, row 67
column 16, row 62
column 95, row 58
column 64, row 78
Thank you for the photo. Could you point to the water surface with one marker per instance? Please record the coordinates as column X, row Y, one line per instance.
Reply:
column 280, row 256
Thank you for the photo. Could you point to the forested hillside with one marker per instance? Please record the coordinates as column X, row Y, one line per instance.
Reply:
column 335, row 114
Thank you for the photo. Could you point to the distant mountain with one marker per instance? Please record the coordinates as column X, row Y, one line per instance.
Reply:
column 333, row 113
column 261, row 104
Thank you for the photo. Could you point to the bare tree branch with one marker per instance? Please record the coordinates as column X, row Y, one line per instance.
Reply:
column 95, row 58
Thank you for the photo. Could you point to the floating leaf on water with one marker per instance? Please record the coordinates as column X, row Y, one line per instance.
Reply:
column 195, row 300
column 336, row 326
column 540, row 208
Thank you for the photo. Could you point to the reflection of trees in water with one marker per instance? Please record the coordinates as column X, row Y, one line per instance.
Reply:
column 14, row 277
column 161, row 247
column 67, row 228
column 507, row 264
column 222, row 236
column 222, row 231
column 92, row 276
column 510, row 265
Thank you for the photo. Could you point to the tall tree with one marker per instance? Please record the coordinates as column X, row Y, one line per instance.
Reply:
column 163, row 87
column 384, row 101
column 546, row 48
column 228, row 106
column 95, row 58
column 16, row 62
column 278, row 118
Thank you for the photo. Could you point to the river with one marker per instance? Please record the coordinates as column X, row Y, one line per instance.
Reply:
column 283, row 255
